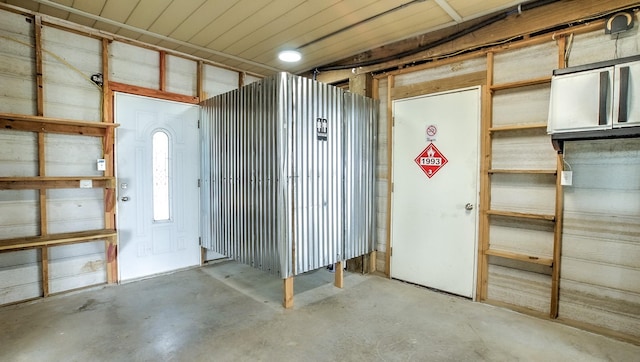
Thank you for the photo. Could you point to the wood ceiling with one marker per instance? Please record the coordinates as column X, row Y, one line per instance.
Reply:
column 248, row 34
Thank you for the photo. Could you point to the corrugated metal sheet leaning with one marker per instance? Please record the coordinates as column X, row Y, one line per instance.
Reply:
column 289, row 174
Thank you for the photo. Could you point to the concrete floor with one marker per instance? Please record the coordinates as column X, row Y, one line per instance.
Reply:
column 230, row 312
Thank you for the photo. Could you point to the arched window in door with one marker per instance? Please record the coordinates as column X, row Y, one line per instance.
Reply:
column 160, row 151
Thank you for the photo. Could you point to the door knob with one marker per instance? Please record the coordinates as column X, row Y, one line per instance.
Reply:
column 468, row 206
column 124, row 198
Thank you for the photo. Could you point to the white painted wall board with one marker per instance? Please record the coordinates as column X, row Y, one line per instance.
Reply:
column 597, row 46
column 218, row 80
column 71, row 210
column 71, row 155
column 134, row 65
column 68, row 94
column 525, row 63
column 525, row 237
column 442, row 72
column 525, row 105
column 20, row 276
column 17, row 68
column 76, row 266
column 248, row 79
column 523, row 193
column 523, row 150
column 19, row 213
column 182, row 75
column 518, row 287
column 18, row 154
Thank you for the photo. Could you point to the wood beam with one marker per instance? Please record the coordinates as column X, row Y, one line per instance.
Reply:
column 339, row 275
column 153, row 93
column 440, row 85
column 44, row 260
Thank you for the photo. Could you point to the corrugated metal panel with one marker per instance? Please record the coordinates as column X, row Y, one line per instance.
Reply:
column 511, row 285
column 134, row 65
column 360, row 164
column 276, row 189
column 526, row 105
column 182, row 75
column 17, row 68
column 522, row 150
column 598, row 46
column 67, row 93
column 601, row 235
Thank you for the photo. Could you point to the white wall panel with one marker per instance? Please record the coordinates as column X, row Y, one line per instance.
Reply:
column 248, row 79
column 519, row 287
column 71, row 155
column 524, row 237
column 218, row 80
column 18, row 154
column 446, row 71
column 525, row 105
column 20, row 276
column 76, row 266
column 67, row 93
column 525, row 63
column 598, row 46
column 71, row 210
column 19, row 213
column 600, row 277
column 134, row 65
column 523, row 150
column 523, row 193
column 182, row 75
column 17, row 68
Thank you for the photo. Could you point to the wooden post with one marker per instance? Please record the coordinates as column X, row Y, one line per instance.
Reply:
column 390, row 85
column 288, row 293
column 200, row 81
column 44, row 253
column 372, row 261
column 339, row 278
column 163, row 71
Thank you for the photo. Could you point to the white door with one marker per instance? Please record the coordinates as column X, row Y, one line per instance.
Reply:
column 435, row 190
column 157, row 155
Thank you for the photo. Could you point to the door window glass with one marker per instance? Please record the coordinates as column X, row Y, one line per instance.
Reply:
column 161, row 176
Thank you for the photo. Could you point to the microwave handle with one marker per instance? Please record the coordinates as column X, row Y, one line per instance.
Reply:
column 624, row 95
column 604, row 92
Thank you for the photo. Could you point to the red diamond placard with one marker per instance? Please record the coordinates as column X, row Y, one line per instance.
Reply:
column 430, row 160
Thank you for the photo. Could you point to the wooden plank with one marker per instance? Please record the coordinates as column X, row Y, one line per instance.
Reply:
column 200, row 80
column 521, row 172
column 31, row 183
column 49, row 121
column 390, row 86
column 39, row 68
column 522, row 215
column 485, row 186
column 44, row 256
column 288, row 293
column 153, row 93
column 339, row 275
column 29, row 242
column 111, row 246
column 557, row 243
column 521, row 83
column 521, row 257
column 163, row 70
column 518, row 127
column 241, row 77
column 440, row 85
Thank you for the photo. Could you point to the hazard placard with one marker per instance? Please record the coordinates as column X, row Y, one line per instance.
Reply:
column 431, row 160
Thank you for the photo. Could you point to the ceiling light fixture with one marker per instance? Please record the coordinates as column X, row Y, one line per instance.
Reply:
column 289, row 56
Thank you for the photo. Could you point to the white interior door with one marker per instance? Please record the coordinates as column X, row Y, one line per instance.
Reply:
column 157, row 169
column 435, row 190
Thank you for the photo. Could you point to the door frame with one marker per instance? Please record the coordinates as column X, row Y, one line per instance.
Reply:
column 478, row 173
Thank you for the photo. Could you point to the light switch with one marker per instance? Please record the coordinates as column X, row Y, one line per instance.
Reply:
column 102, row 165
column 566, row 178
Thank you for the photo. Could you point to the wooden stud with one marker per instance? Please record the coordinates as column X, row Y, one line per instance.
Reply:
column 163, row 71
column 39, row 67
column 111, row 246
column 200, row 81
column 485, row 188
column 288, row 292
column 44, row 262
column 390, row 86
column 241, row 76
column 372, row 261
column 339, row 275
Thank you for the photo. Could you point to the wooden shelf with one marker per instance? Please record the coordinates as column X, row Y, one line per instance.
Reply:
column 523, row 172
column 519, row 127
column 520, row 84
column 520, row 257
column 20, row 122
column 37, row 182
column 522, row 215
column 31, row 242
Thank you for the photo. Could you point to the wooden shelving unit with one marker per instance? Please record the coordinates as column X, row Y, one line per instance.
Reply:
column 42, row 183
column 487, row 213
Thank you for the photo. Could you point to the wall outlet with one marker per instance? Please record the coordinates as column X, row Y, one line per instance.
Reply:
column 566, row 178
